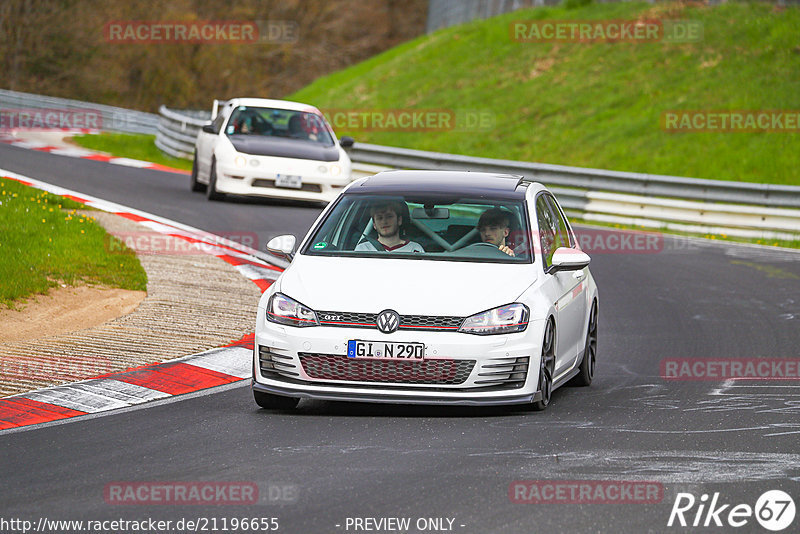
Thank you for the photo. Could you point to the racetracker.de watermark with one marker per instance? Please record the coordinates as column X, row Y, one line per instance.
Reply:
column 410, row 120
column 604, row 31
column 154, row 243
column 180, row 493
column 700, row 369
column 585, row 492
column 739, row 121
column 202, row 32
column 50, row 118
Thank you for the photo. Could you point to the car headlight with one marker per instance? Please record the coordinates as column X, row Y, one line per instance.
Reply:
column 240, row 162
column 503, row 320
column 283, row 310
column 336, row 170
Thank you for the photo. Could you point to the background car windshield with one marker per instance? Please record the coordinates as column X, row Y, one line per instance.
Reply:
column 270, row 122
column 429, row 228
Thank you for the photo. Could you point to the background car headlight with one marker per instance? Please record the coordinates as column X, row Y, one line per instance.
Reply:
column 336, row 170
column 283, row 310
column 240, row 161
column 503, row 320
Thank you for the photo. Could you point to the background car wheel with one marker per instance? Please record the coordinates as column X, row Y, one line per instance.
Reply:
column 275, row 402
column 196, row 186
column 211, row 190
column 547, row 367
column 586, row 372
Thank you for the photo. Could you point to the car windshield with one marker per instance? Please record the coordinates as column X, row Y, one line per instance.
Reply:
column 284, row 123
column 419, row 227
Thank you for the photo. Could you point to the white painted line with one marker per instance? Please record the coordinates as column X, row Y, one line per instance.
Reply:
column 122, row 391
column 72, row 152
column 257, row 273
column 234, row 361
column 75, row 398
column 130, row 162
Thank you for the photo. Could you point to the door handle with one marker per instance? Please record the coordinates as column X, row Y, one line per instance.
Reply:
column 578, row 275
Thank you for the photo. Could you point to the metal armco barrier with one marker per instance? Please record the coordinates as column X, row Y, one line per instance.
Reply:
column 177, row 131
column 111, row 118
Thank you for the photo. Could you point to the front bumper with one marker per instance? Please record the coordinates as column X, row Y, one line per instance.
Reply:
column 306, row 360
column 394, row 398
column 260, row 181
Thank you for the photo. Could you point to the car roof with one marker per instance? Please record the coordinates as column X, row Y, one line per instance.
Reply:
column 268, row 103
column 462, row 183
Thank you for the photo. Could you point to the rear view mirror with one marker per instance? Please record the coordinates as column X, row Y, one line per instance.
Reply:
column 282, row 246
column 346, row 141
column 568, row 259
column 209, row 128
column 430, row 213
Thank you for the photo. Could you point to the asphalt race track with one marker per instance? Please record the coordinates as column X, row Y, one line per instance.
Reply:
column 328, row 462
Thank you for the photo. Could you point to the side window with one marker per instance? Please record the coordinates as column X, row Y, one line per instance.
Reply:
column 217, row 124
column 547, row 230
column 562, row 234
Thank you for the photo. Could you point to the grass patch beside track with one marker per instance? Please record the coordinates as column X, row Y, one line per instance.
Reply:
column 44, row 241
column 596, row 105
column 133, row 146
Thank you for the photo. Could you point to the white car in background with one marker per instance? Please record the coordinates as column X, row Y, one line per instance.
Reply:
column 447, row 315
column 270, row 148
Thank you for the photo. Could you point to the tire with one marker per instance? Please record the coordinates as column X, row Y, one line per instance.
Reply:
column 211, row 190
column 196, row 186
column 586, row 369
column 275, row 402
column 546, row 368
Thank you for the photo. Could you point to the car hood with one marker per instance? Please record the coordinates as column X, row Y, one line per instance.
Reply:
column 421, row 287
column 258, row 145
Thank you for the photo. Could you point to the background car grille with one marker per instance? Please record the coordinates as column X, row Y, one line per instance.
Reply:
column 508, row 372
column 334, row 367
column 407, row 322
column 264, row 182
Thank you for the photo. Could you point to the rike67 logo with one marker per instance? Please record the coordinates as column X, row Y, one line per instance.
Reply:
column 774, row 510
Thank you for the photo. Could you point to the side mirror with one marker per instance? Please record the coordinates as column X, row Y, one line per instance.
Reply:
column 346, row 141
column 209, row 128
column 568, row 259
column 282, row 246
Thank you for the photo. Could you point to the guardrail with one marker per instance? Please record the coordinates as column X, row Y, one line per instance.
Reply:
column 670, row 202
column 111, row 118
column 177, row 130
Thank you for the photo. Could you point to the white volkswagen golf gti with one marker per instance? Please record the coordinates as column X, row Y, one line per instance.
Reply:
column 429, row 287
column 270, row 148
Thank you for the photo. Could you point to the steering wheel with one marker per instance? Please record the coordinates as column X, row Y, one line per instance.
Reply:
column 484, row 244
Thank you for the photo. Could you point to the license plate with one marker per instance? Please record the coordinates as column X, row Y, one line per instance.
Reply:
column 292, row 181
column 385, row 350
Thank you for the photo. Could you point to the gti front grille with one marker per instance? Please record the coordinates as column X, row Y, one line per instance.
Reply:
column 407, row 322
column 334, row 367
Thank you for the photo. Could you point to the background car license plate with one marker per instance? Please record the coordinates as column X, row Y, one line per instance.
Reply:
column 289, row 180
column 381, row 349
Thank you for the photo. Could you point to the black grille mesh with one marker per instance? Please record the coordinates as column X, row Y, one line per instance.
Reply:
column 334, row 367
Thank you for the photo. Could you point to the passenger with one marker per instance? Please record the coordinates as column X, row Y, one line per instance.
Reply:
column 494, row 227
column 387, row 219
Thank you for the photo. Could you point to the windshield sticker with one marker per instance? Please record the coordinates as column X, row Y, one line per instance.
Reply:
column 320, row 245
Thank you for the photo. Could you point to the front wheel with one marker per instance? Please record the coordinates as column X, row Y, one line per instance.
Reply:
column 211, row 190
column 196, row 186
column 546, row 368
column 275, row 402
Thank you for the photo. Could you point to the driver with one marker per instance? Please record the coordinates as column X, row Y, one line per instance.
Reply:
column 494, row 227
column 387, row 219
